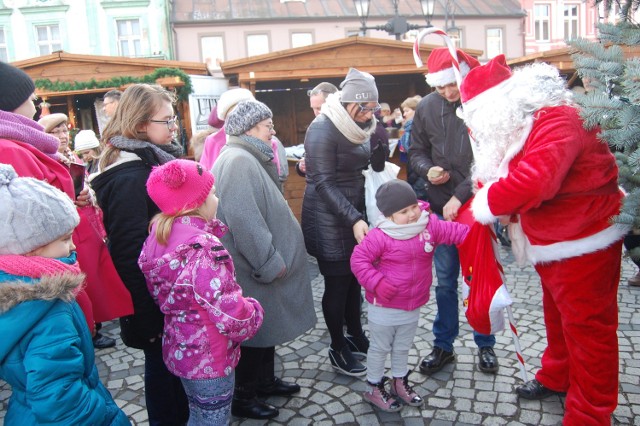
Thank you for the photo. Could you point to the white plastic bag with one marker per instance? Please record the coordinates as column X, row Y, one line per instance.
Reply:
column 372, row 181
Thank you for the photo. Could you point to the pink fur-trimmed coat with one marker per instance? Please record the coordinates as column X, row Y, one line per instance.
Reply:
column 193, row 281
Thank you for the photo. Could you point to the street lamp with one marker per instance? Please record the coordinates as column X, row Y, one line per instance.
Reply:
column 397, row 25
column 452, row 31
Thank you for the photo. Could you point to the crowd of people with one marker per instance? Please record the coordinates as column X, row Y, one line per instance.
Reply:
column 205, row 266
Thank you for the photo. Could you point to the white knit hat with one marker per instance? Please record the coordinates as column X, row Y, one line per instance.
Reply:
column 231, row 98
column 32, row 213
column 85, row 139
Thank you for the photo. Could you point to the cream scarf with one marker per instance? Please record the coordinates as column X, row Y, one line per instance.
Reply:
column 339, row 116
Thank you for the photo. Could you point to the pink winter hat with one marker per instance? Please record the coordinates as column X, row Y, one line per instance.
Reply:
column 179, row 185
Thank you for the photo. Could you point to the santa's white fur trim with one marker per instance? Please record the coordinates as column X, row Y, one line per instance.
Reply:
column 574, row 248
column 446, row 76
column 500, row 300
column 482, row 99
column 480, row 206
column 514, row 149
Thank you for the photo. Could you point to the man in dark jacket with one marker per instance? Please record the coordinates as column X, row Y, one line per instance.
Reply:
column 440, row 152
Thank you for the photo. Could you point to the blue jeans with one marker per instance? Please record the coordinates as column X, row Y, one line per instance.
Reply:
column 445, row 326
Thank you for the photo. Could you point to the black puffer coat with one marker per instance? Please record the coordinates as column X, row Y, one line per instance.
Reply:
column 440, row 138
column 334, row 197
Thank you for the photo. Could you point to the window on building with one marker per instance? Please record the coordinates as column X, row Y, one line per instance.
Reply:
column 48, row 38
column 4, row 53
column 541, row 23
column 455, row 34
column 212, row 47
column 300, row 39
column 257, row 44
column 570, row 21
column 494, row 42
column 129, row 37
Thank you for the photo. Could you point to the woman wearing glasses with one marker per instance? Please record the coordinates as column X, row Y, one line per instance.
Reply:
column 138, row 137
column 337, row 150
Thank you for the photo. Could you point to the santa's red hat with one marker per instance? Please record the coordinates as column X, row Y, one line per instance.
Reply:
column 440, row 66
column 485, row 81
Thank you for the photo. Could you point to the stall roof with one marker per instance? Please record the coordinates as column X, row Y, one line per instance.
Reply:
column 70, row 67
column 330, row 60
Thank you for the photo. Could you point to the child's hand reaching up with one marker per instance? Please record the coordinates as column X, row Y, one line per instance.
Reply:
column 385, row 291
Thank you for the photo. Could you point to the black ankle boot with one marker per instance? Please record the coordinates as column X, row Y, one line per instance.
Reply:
column 245, row 404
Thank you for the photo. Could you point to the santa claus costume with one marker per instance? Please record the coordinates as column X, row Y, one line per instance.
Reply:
column 538, row 165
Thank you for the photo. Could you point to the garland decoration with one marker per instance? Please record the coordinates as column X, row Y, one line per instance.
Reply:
column 64, row 86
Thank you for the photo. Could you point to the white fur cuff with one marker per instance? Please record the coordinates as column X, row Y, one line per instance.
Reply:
column 480, row 206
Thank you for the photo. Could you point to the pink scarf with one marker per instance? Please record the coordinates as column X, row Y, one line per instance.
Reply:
column 35, row 266
column 19, row 128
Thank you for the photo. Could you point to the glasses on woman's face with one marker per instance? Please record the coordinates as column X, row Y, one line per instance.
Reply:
column 365, row 109
column 271, row 127
column 170, row 123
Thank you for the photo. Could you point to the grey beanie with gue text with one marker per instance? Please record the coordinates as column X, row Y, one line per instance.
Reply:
column 359, row 87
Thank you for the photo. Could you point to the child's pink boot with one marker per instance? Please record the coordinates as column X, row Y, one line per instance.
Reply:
column 400, row 388
column 378, row 396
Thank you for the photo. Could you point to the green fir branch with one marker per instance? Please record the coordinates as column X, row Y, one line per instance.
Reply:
column 64, row 86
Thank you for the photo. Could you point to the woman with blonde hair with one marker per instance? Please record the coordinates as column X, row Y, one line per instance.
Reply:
column 137, row 138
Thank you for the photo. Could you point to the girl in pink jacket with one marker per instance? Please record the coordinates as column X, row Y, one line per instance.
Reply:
column 393, row 264
column 192, row 278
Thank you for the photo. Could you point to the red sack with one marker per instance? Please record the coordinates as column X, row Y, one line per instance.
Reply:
column 484, row 293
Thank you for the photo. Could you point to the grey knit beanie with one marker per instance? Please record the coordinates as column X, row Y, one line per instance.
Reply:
column 246, row 115
column 32, row 213
column 394, row 196
column 359, row 87
column 15, row 87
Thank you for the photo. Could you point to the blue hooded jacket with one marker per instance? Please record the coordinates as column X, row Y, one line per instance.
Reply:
column 47, row 355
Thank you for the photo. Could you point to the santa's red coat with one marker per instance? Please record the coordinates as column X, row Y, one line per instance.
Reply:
column 562, row 182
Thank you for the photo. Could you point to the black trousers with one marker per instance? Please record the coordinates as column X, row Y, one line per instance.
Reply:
column 632, row 241
column 256, row 365
column 341, row 304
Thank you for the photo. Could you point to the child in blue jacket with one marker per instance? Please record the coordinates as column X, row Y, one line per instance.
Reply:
column 46, row 350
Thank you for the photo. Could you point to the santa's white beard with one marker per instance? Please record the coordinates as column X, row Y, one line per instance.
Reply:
column 501, row 116
column 492, row 140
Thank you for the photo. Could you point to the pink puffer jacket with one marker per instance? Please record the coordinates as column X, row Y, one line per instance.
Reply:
column 405, row 264
column 193, row 281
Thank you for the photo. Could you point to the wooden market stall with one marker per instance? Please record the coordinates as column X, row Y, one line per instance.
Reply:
column 281, row 79
column 74, row 84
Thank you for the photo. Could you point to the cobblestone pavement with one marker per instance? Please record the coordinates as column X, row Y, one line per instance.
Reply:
column 458, row 395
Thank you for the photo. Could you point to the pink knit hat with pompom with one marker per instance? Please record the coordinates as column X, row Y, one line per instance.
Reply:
column 179, row 185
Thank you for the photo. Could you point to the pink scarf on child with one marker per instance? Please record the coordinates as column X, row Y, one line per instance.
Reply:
column 35, row 266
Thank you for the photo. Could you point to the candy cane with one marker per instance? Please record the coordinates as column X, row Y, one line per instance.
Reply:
column 450, row 46
column 516, row 343
column 512, row 321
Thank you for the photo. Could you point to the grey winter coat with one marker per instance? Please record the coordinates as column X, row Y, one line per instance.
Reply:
column 440, row 138
column 264, row 239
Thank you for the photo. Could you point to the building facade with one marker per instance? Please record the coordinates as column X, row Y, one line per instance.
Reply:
column 136, row 29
